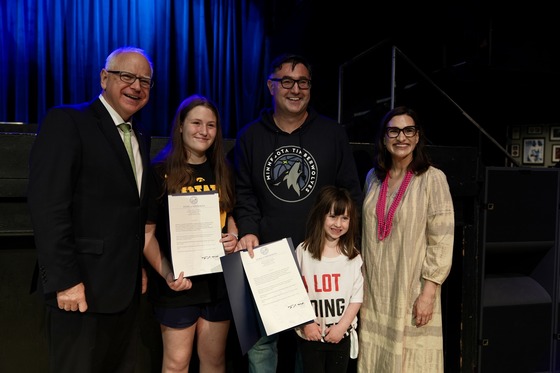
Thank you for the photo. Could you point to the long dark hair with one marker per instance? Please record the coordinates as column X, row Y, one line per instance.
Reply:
column 172, row 160
column 382, row 162
column 338, row 201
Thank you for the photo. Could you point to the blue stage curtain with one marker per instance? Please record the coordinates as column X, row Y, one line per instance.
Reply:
column 51, row 53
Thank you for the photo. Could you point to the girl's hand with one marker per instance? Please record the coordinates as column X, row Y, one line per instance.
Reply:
column 334, row 334
column 229, row 241
column 312, row 332
column 181, row 283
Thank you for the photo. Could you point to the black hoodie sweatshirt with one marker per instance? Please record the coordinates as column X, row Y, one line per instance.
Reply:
column 279, row 174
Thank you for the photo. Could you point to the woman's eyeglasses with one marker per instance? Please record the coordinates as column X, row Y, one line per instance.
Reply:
column 394, row 132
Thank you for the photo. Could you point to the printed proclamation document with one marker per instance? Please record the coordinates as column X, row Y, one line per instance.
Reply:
column 277, row 286
column 195, row 233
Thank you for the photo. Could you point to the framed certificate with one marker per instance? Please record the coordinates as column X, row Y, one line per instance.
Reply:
column 534, row 130
column 555, row 153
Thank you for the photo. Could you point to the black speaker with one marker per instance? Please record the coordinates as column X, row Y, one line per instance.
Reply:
column 516, row 332
column 519, row 296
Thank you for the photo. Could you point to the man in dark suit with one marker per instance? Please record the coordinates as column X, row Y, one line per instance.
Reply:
column 87, row 203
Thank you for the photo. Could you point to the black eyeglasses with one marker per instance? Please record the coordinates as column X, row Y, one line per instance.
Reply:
column 288, row 83
column 130, row 78
column 394, row 132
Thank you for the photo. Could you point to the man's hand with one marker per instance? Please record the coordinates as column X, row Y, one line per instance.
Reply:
column 144, row 281
column 249, row 241
column 72, row 299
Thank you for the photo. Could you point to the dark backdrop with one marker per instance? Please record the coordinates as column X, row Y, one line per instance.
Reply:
column 496, row 63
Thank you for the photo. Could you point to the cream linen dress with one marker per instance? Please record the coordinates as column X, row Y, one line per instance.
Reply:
column 420, row 246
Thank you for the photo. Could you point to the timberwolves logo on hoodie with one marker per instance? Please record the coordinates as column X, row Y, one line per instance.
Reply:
column 290, row 173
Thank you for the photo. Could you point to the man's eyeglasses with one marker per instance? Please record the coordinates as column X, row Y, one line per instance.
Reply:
column 288, row 83
column 130, row 78
column 394, row 132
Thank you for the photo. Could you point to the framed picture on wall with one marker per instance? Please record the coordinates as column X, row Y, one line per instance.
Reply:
column 533, row 151
column 555, row 153
column 555, row 133
column 534, row 130
column 514, row 150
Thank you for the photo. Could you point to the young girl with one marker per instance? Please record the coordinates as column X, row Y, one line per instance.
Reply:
column 331, row 269
column 197, row 308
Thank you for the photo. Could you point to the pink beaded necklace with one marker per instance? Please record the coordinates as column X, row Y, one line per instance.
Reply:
column 384, row 225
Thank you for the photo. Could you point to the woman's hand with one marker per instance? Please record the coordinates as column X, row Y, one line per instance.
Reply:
column 423, row 307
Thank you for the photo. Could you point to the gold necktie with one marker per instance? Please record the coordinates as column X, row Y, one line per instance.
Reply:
column 125, row 127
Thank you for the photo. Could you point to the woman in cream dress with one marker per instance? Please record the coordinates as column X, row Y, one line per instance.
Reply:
column 407, row 248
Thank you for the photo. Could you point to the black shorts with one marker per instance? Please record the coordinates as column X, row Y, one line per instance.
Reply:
column 183, row 317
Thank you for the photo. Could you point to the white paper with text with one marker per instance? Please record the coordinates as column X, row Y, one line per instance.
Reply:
column 195, row 233
column 277, row 287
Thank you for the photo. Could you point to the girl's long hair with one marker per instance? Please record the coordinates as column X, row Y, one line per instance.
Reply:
column 172, row 163
column 338, row 201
